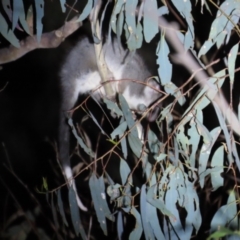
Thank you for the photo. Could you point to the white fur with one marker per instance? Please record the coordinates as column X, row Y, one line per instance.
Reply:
column 71, row 182
column 91, row 82
column 88, row 82
column 134, row 101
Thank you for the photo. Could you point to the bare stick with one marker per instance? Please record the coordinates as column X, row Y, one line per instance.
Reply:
column 48, row 40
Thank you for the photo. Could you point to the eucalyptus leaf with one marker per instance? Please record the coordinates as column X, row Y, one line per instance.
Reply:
column 86, row 11
column 79, row 139
column 123, row 142
column 133, row 138
column 97, row 190
column 75, row 215
column 226, row 215
column 165, row 67
column 63, row 5
column 124, row 171
column 221, row 27
column 120, row 226
column 151, row 198
column 217, row 163
column 61, row 208
column 8, row 33
column 119, row 131
column 112, row 106
column 150, row 19
column 120, row 24
column 205, row 154
column 231, row 62
column 39, row 7
column 130, row 26
column 137, row 231
column 18, row 10
column 185, row 10
column 116, row 10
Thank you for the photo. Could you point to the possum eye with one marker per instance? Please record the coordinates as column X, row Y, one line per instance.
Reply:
column 141, row 107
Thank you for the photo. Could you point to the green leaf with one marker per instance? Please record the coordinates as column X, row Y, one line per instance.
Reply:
column 113, row 107
column 19, row 13
column 79, row 139
column 150, row 222
column 194, row 136
column 221, row 27
column 204, row 155
column 123, row 142
column 137, row 231
column 133, row 31
column 96, row 194
column 120, row 227
column 165, row 67
column 45, row 184
column 154, row 144
column 160, row 157
column 133, row 139
column 130, row 26
column 135, row 144
column 205, row 48
column 150, row 20
column 74, row 211
column 183, row 140
column 151, row 198
column 97, row 124
column 118, row 6
column 185, row 10
column 203, row 131
column 232, row 56
column 163, row 11
column 86, row 11
column 18, row 10
column 7, row 8
column 124, row 171
column 192, row 206
column 217, row 163
column 226, row 133
column 119, row 131
column 8, row 33
column 206, row 94
column 171, row 199
column 39, row 7
column 61, row 208
column 63, row 5
column 223, row 232
column 97, row 189
column 226, row 215
column 120, row 23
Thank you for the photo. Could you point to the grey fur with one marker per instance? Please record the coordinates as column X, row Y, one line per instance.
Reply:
column 79, row 75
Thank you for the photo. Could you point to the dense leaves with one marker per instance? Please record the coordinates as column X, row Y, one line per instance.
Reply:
column 160, row 170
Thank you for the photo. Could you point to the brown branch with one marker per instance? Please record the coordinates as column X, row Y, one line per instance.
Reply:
column 188, row 61
column 48, row 40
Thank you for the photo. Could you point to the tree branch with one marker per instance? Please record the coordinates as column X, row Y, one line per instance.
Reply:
column 48, row 40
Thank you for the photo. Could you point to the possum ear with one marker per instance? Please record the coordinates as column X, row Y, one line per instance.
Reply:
column 151, row 91
column 154, row 85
